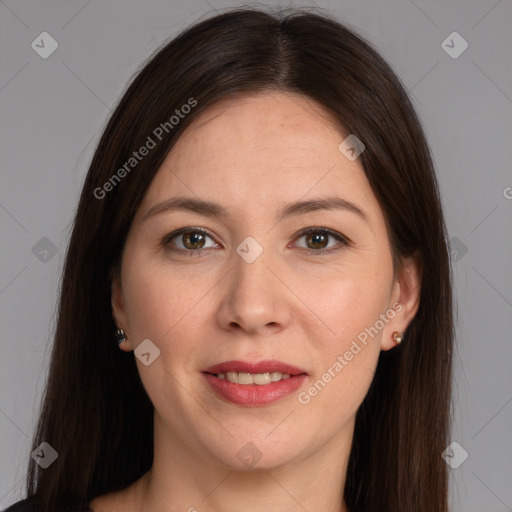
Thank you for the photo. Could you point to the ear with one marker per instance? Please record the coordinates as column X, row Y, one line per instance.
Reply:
column 119, row 310
column 404, row 299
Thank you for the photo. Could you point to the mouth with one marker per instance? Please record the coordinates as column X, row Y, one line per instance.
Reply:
column 251, row 384
column 261, row 373
column 261, row 379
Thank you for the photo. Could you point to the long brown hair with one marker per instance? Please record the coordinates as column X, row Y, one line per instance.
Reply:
column 95, row 412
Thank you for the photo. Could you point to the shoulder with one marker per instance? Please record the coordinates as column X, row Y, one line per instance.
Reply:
column 26, row 505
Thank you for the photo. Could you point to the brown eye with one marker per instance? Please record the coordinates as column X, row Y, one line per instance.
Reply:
column 317, row 240
column 187, row 240
column 193, row 239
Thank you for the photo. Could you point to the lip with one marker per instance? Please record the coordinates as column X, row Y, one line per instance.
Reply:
column 252, row 395
column 250, row 367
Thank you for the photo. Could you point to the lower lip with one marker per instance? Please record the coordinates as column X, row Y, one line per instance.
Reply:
column 253, row 394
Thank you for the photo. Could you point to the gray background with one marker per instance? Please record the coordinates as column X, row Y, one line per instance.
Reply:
column 54, row 109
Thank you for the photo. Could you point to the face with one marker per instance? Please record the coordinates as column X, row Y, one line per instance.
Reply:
column 257, row 280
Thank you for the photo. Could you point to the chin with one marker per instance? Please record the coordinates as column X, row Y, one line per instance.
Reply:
column 252, row 453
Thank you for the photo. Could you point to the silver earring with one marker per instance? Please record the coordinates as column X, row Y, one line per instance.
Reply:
column 120, row 336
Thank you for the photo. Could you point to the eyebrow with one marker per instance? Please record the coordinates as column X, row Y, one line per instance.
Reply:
column 211, row 209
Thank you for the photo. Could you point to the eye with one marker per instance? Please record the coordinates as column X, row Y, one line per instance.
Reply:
column 192, row 241
column 317, row 240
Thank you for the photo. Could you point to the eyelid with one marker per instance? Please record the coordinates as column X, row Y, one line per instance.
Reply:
column 322, row 229
column 167, row 238
column 343, row 241
column 312, row 229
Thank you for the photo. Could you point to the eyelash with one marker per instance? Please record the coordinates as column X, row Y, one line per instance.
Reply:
column 316, row 252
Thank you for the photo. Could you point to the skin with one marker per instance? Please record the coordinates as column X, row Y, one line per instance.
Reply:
column 253, row 155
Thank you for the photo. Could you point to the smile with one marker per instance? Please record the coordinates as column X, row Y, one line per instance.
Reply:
column 253, row 383
column 261, row 379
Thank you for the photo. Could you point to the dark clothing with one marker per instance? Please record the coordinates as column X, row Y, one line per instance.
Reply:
column 26, row 505
column 21, row 506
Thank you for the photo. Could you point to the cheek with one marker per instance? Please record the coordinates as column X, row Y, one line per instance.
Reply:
column 348, row 348
column 166, row 308
column 161, row 304
column 347, row 303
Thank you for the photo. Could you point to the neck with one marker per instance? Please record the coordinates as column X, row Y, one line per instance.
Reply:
column 186, row 480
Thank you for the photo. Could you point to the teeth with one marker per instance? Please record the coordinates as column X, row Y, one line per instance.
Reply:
column 253, row 378
column 232, row 377
column 246, row 378
column 261, row 378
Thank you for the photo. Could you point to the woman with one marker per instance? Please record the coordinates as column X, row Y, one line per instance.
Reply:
column 256, row 307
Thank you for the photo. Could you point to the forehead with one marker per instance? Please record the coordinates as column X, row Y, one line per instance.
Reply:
column 275, row 120
column 261, row 149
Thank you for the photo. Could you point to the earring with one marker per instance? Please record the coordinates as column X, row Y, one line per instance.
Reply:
column 120, row 336
column 397, row 337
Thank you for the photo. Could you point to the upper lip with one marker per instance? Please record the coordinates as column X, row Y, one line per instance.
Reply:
column 267, row 366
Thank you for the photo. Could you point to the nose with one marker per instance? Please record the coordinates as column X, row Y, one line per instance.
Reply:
column 254, row 300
